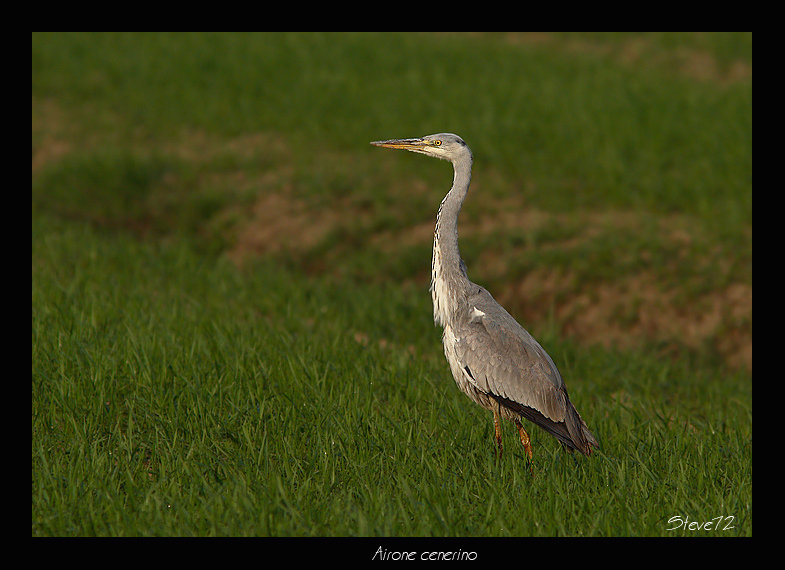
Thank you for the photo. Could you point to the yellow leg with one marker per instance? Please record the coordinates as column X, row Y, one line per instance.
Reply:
column 498, row 431
column 527, row 445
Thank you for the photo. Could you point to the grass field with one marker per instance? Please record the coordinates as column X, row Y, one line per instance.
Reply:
column 232, row 332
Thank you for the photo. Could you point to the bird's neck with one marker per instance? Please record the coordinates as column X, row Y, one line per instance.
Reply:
column 449, row 282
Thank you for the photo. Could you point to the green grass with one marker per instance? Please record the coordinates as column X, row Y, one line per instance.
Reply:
column 305, row 392
column 631, row 138
column 175, row 396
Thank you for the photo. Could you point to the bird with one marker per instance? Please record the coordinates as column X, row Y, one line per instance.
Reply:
column 493, row 359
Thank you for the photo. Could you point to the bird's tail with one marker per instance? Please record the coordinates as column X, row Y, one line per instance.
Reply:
column 580, row 435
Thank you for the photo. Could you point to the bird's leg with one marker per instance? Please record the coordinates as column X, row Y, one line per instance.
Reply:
column 524, row 438
column 498, row 431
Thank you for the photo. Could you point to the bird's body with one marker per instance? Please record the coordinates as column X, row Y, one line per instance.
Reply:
column 493, row 359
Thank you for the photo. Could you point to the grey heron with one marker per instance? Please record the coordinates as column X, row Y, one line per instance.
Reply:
column 493, row 359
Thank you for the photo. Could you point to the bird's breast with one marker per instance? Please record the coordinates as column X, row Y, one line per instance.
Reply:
column 450, row 345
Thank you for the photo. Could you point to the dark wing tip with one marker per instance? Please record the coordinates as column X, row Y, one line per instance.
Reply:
column 572, row 432
column 581, row 437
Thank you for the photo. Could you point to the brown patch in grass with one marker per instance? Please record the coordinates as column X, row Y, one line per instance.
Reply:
column 49, row 128
column 636, row 309
column 642, row 51
column 280, row 223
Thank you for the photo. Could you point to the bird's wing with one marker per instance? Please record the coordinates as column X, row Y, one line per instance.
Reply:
column 503, row 359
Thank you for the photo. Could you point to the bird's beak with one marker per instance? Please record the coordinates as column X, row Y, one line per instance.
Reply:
column 405, row 144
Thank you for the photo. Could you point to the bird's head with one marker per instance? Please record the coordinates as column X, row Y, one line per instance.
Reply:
column 446, row 146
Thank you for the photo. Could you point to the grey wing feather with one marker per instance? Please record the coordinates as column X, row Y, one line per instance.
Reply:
column 506, row 361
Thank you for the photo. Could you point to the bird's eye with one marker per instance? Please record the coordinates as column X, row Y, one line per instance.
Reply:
column 437, row 143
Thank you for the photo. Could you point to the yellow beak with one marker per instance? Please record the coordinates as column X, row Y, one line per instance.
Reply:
column 405, row 144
